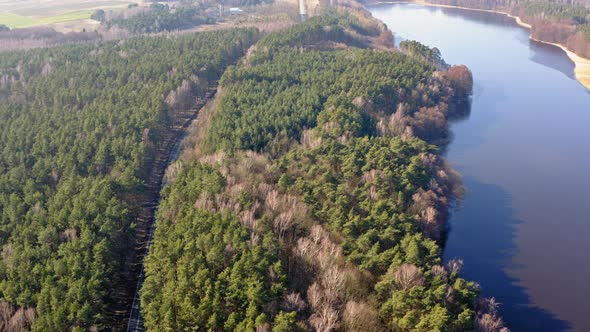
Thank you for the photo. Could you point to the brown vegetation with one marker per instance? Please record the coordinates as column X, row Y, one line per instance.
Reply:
column 450, row 92
column 36, row 37
column 544, row 27
column 13, row 319
column 461, row 79
column 361, row 317
column 488, row 319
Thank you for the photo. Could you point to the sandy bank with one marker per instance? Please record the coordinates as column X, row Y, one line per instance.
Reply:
column 582, row 70
column 582, row 65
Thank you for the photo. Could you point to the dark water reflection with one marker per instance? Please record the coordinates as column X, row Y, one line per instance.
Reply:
column 544, row 54
column 523, row 229
column 488, row 247
column 479, row 16
column 552, row 57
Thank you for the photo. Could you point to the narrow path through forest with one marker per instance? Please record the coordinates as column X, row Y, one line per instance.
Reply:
column 128, row 307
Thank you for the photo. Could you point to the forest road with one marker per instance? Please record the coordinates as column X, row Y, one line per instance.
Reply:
column 168, row 151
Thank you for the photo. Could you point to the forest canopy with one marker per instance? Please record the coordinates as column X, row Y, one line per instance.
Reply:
column 79, row 127
column 315, row 177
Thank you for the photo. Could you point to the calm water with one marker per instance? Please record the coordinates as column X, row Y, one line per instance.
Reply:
column 523, row 229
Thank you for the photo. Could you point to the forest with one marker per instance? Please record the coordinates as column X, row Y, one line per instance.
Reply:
column 175, row 15
column 311, row 195
column 79, row 130
column 158, row 17
column 563, row 22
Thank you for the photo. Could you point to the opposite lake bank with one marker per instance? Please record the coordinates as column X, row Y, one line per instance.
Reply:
column 582, row 65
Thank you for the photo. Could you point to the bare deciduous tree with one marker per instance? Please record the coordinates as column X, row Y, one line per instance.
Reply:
column 182, row 98
column 69, row 234
column 272, row 200
column 282, row 223
column 332, row 281
column 429, row 211
column 247, row 219
column 361, row 317
column 203, row 202
column 315, row 295
column 7, row 252
column 6, row 312
column 454, row 266
column 265, row 327
column 440, row 271
column 310, row 140
column 407, row 276
column 489, row 323
column 326, row 320
column 461, row 79
column 294, row 302
column 254, row 238
column 372, row 193
column 47, row 69
column 214, row 159
column 16, row 320
column 372, row 175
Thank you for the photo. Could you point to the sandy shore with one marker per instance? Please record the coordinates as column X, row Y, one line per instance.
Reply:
column 582, row 65
column 582, row 70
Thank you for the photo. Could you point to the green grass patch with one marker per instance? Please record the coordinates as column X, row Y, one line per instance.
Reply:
column 18, row 21
column 73, row 16
column 15, row 21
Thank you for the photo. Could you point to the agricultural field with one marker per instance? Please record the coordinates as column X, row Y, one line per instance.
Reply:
column 27, row 13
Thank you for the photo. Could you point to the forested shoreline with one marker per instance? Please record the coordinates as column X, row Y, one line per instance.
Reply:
column 311, row 195
column 563, row 23
column 79, row 130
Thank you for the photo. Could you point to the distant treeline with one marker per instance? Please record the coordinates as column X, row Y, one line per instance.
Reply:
column 78, row 129
column 310, row 198
column 164, row 17
column 553, row 21
column 36, row 37
column 158, row 17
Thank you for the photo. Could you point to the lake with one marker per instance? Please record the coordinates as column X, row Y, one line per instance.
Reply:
column 523, row 229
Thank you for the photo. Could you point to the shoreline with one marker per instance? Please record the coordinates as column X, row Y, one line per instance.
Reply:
column 581, row 64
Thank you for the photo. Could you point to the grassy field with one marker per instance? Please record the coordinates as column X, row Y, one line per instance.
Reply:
column 73, row 16
column 26, row 13
column 15, row 21
column 19, row 21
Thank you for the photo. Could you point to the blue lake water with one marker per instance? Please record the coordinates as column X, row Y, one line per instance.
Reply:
column 523, row 229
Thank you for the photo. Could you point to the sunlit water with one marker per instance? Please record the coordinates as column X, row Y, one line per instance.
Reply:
column 523, row 229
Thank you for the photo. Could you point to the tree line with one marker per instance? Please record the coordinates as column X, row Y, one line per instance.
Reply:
column 562, row 22
column 157, row 17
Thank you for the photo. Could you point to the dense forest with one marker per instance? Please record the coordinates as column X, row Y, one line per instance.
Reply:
column 79, row 129
column 311, row 195
column 562, row 22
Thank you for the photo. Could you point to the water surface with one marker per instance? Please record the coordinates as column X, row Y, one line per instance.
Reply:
column 523, row 229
